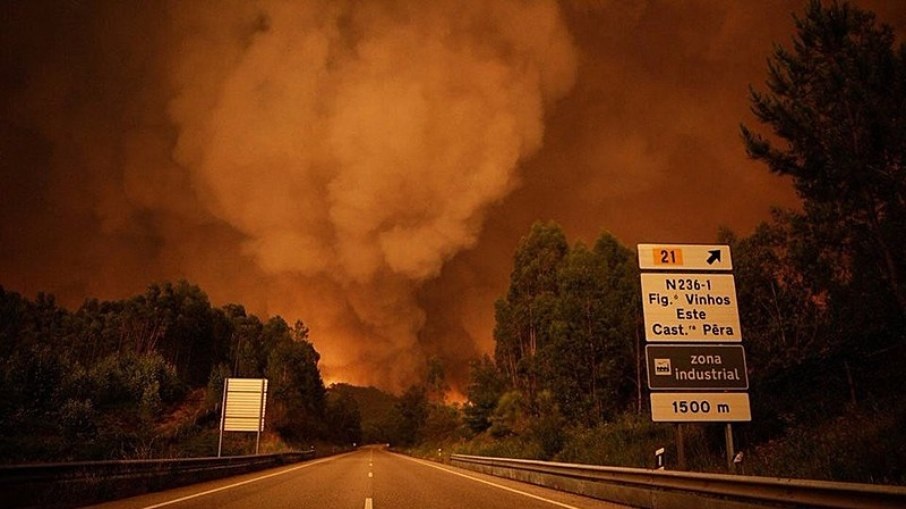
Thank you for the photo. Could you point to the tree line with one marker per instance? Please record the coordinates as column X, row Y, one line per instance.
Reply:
column 143, row 377
column 101, row 382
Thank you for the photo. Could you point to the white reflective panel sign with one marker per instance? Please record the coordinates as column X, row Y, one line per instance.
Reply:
column 700, row 407
column 690, row 308
column 244, row 404
column 243, row 424
column 246, row 384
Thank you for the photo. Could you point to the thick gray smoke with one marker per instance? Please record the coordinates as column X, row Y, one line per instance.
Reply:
column 357, row 146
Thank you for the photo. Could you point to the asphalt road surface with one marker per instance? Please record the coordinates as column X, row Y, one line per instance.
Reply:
column 369, row 478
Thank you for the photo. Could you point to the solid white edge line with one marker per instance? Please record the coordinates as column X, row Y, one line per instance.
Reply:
column 248, row 481
column 506, row 488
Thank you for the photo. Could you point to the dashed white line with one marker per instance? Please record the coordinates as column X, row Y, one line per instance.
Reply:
column 369, row 504
column 489, row 483
column 248, row 481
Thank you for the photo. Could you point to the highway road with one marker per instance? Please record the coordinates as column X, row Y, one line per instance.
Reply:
column 369, row 478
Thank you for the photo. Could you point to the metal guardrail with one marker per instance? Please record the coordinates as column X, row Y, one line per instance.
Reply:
column 63, row 485
column 665, row 489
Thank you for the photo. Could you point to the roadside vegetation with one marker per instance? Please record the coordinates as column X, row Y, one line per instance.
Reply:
column 143, row 377
column 821, row 293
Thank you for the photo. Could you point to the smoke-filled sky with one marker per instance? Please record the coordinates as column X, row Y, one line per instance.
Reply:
column 369, row 166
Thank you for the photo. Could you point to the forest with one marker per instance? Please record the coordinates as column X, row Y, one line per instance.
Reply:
column 821, row 293
column 143, row 377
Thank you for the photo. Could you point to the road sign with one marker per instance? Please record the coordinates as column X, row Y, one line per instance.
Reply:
column 681, row 304
column 683, row 257
column 696, row 367
column 690, row 308
column 245, row 400
column 700, row 407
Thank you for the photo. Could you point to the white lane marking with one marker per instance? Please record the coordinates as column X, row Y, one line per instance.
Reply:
column 222, row 488
column 368, row 504
column 370, row 474
column 489, row 483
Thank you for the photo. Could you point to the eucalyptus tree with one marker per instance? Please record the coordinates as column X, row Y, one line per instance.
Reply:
column 836, row 107
column 524, row 317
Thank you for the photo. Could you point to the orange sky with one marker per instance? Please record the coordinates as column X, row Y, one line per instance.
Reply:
column 369, row 167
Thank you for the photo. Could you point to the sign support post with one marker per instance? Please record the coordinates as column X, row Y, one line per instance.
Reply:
column 261, row 414
column 222, row 417
column 728, row 434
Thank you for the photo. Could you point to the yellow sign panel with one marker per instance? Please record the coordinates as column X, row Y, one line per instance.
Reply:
column 685, row 257
column 246, row 384
column 690, row 308
column 700, row 407
column 243, row 424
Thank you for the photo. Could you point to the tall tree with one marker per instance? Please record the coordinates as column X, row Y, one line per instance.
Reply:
column 248, row 353
column 787, row 328
column 413, row 411
column 575, row 354
column 836, row 105
column 592, row 350
column 299, row 396
column 837, row 100
column 524, row 318
column 782, row 309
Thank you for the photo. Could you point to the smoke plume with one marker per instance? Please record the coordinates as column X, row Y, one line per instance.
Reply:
column 368, row 166
column 360, row 144
column 349, row 149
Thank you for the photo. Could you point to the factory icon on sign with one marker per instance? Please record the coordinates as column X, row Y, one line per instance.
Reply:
column 662, row 367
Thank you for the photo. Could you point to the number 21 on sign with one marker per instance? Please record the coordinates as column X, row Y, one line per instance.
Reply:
column 667, row 256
